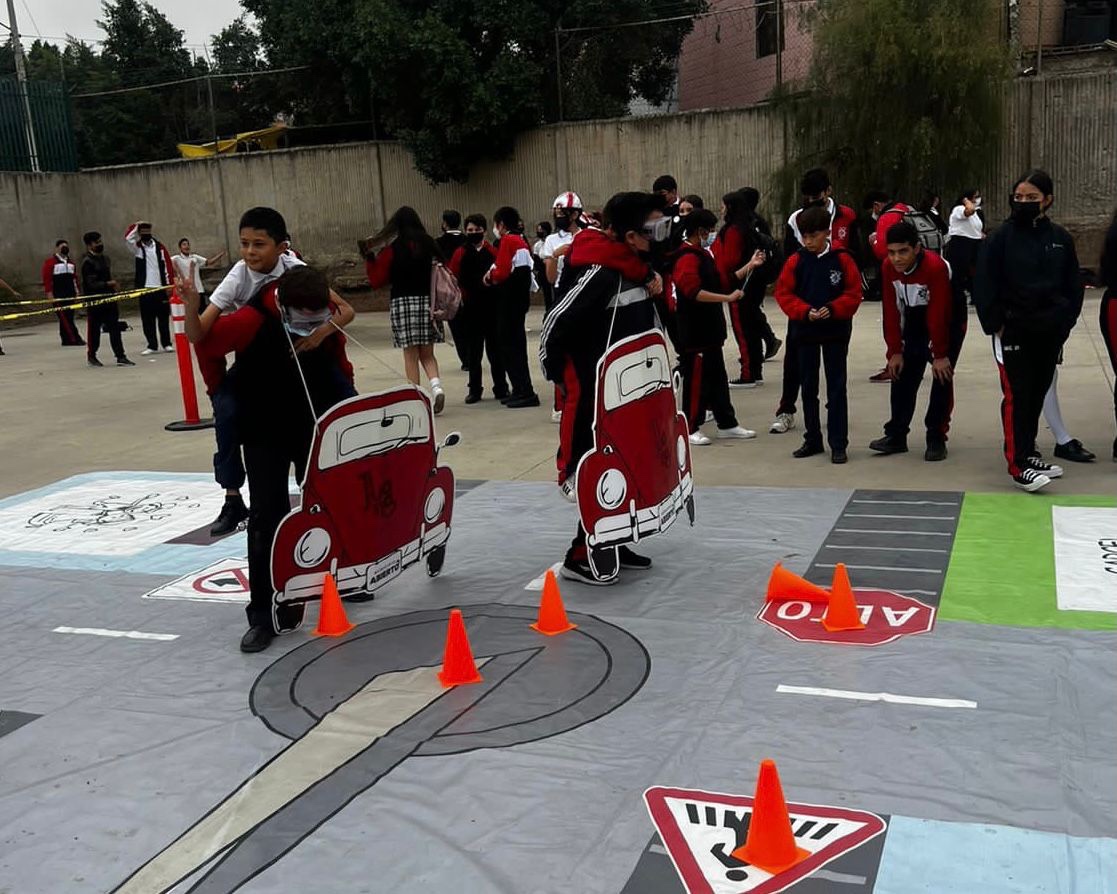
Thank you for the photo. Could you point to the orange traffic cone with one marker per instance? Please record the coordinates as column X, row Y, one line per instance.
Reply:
column 842, row 613
column 770, row 844
column 457, row 661
column 552, row 613
column 331, row 613
column 784, row 586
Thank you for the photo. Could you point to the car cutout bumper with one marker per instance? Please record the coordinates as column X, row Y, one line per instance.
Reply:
column 364, row 577
column 619, row 528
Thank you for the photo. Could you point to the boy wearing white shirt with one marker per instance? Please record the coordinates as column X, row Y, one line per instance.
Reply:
column 185, row 258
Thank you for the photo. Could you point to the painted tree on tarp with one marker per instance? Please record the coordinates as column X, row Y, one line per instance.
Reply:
column 456, row 82
column 904, row 95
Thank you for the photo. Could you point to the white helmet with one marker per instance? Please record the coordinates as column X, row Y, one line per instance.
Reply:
column 568, row 200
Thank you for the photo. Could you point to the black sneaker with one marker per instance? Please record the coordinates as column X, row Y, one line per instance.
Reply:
column 524, row 400
column 839, row 457
column 1031, row 480
column 742, row 382
column 1051, row 470
column 773, row 349
column 1074, row 452
column 935, row 452
column 633, row 561
column 808, row 449
column 93, row 361
column 124, row 361
column 232, row 514
column 256, row 639
column 888, row 444
column 580, row 571
column 473, row 397
column 503, row 398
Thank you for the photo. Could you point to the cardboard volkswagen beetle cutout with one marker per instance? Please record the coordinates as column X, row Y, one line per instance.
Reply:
column 374, row 499
column 637, row 479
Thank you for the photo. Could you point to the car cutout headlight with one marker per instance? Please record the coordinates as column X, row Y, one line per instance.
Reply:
column 312, row 548
column 436, row 502
column 611, row 488
column 680, row 449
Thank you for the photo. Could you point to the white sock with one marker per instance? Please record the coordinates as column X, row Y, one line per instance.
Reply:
column 1053, row 414
column 436, row 383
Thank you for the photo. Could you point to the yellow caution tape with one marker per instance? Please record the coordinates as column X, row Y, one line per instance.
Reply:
column 77, row 303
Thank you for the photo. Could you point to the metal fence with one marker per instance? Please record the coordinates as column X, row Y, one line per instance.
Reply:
column 50, row 116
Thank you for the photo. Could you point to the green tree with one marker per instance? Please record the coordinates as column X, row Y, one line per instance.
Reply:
column 903, row 95
column 247, row 103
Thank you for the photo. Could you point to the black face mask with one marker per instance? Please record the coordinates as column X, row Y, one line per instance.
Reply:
column 816, row 203
column 562, row 221
column 97, row 249
column 148, row 238
column 539, row 234
column 64, row 251
column 1026, row 212
column 474, row 238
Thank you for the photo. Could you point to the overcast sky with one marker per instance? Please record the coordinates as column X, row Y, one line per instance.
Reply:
column 54, row 19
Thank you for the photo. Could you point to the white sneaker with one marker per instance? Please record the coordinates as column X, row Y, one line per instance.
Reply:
column 439, row 399
column 147, row 351
column 743, row 434
column 784, row 422
column 167, row 349
column 699, row 440
column 567, row 488
column 556, row 416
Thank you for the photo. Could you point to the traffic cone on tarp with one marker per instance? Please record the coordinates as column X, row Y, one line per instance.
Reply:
column 842, row 613
column 457, row 661
column 552, row 613
column 770, row 844
column 332, row 620
column 785, row 586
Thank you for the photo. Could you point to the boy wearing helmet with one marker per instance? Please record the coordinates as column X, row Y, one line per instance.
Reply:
column 567, row 213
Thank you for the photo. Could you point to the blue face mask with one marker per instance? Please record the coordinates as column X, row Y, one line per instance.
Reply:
column 709, row 240
column 301, row 323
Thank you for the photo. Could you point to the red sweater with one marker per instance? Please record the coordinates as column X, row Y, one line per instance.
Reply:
column 887, row 220
column 729, row 255
column 379, row 269
column 922, row 291
column 60, row 267
column 513, row 253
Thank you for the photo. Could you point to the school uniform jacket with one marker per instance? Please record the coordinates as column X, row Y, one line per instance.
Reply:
column 60, row 278
column 843, row 220
column 162, row 256
column 917, row 303
column 811, row 282
column 701, row 323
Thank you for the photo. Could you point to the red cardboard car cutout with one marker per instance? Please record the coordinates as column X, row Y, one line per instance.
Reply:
column 374, row 499
column 637, row 479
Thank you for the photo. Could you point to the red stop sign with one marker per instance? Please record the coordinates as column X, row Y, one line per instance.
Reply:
column 886, row 615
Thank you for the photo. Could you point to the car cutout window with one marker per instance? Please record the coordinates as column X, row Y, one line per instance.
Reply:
column 374, row 431
column 634, row 376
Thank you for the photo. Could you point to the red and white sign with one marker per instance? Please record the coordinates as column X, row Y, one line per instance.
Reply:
column 702, row 829
column 886, row 615
column 223, row 581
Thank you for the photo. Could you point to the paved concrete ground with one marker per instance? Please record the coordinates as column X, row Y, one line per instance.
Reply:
column 61, row 417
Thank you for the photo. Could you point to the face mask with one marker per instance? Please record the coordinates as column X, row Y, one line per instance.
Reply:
column 147, row 237
column 474, row 238
column 1026, row 212
column 562, row 221
column 64, row 251
column 539, row 234
column 709, row 240
column 977, row 202
column 97, row 249
column 301, row 322
column 814, row 203
column 496, row 233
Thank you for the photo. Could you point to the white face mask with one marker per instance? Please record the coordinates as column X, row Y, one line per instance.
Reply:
column 709, row 240
column 496, row 233
column 301, row 322
column 977, row 202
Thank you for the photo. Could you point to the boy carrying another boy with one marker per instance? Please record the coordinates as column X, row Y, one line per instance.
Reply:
column 820, row 290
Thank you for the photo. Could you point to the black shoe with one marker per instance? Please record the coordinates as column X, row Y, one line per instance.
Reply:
column 359, row 597
column 1031, row 480
column 124, row 361
column 1036, row 464
column 524, row 400
column 808, row 449
column 503, row 398
column 232, row 514
column 633, row 561
column 93, row 361
column 935, row 452
column 1074, row 451
column 839, row 457
column 888, row 444
column 773, row 349
column 473, row 397
column 465, row 367
column 580, row 571
column 256, row 639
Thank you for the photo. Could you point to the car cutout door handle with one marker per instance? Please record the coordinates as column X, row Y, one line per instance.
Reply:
column 315, row 509
column 608, row 450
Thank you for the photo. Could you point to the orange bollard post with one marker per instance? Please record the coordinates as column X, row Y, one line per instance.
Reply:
column 193, row 420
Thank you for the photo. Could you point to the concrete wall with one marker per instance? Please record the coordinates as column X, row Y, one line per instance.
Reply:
column 332, row 195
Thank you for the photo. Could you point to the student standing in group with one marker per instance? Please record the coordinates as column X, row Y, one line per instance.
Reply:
column 479, row 310
column 917, row 308
column 185, row 259
column 1028, row 296
column 965, row 233
column 735, row 244
column 817, row 192
column 667, row 188
column 820, row 290
column 96, row 279
column 510, row 276
column 60, row 282
column 448, row 242
column 701, row 329
column 401, row 255
column 567, row 215
column 543, row 229
column 1108, row 312
column 153, row 268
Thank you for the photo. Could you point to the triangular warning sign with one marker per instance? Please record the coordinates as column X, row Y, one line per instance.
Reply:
column 702, row 829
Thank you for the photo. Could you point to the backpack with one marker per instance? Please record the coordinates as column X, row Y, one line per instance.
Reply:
column 929, row 233
column 446, row 294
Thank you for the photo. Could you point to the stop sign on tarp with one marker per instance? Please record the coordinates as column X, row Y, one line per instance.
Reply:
column 886, row 616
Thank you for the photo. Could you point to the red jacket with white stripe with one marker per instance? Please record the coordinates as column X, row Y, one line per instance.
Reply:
column 57, row 274
column 920, row 294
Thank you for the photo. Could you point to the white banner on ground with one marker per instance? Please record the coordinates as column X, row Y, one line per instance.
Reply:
column 1085, row 557
column 224, row 581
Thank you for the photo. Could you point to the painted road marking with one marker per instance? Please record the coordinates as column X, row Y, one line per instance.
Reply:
column 536, row 583
column 882, row 568
column 890, row 549
column 897, row 533
column 841, row 878
column 126, row 634
column 889, row 697
column 907, row 502
column 920, row 517
column 918, row 592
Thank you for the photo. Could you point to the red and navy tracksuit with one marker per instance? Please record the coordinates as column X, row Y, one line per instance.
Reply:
column 1029, row 290
column 918, row 314
column 812, row 282
column 600, row 298
column 480, row 316
column 843, row 222
column 732, row 249
column 701, row 334
column 60, row 282
column 511, row 279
